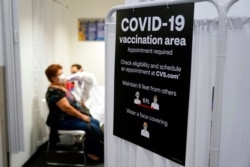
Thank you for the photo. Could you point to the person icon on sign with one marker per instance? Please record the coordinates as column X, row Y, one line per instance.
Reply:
column 144, row 131
column 137, row 96
column 154, row 104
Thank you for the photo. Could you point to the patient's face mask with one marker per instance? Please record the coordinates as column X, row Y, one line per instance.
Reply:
column 62, row 78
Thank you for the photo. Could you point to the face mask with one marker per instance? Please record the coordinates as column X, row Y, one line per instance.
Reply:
column 155, row 100
column 62, row 78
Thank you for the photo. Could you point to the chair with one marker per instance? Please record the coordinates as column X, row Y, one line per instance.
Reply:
column 75, row 146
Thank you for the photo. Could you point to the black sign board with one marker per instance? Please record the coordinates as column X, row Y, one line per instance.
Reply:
column 152, row 77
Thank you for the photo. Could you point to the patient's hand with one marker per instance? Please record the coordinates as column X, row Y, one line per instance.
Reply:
column 83, row 104
column 85, row 118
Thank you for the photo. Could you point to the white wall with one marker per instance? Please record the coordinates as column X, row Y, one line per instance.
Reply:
column 89, row 54
column 25, row 14
column 34, row 82
column 32, row 67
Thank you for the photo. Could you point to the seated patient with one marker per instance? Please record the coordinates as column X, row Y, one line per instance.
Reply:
column 64, row 113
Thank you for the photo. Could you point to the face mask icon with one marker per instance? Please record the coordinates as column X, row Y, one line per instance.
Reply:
column 144, row 131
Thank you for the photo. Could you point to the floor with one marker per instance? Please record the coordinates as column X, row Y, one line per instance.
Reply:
column 39, row 159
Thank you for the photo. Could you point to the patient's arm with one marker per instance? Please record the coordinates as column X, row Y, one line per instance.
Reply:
column 86, row 82
column 65, row 106
column 83, row 76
